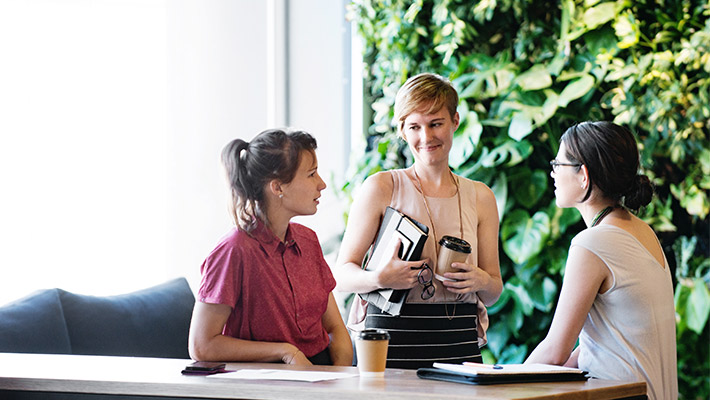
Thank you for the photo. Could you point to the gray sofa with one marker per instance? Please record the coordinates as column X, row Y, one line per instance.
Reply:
column 152, row 322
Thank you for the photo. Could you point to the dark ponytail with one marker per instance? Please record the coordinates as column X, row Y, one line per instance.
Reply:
column 610, row 153
column 250, row 166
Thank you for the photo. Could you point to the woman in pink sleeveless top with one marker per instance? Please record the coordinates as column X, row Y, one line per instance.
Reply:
column 443, row 318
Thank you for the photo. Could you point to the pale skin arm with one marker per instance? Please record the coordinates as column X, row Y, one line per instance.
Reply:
column 484, row 278
column 572, row 360
column 206, row 342
column 340, row 348
column 585, row 276
column 363, row 222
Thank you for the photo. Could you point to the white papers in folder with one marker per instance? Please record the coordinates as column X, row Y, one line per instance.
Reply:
column 507, row 369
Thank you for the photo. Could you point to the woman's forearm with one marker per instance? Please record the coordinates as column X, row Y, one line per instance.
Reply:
column 353, row 279
column 491, row 291
column 341, row 349
column 223, row 348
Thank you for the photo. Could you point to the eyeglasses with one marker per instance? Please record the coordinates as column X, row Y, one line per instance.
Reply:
column 424, row 277
column 554, row 164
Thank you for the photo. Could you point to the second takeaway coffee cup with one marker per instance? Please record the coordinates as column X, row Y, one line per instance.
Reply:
column 452, row 250
column 371, row 347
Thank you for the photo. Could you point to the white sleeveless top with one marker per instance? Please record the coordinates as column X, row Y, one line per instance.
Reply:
column 629, row 333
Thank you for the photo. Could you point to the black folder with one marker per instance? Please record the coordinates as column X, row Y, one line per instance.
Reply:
column 451, row 373
column 413, row 235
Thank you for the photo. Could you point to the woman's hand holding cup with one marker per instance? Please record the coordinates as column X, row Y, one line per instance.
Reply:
column 469, row 279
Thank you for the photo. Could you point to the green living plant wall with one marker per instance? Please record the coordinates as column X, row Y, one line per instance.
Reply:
column 527, row 70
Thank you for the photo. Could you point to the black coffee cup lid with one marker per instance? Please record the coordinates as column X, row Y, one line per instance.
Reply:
column 374, row 334
column 455, row 244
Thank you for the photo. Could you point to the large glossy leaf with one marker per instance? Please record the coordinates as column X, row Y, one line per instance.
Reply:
column 576, row 89
column 463, row 145
column 521, row 296
column 521, row 125
column 513, row 354
column 500, row 191
column 535, row 78
column 523, row 237
column 600, row 14
column 529, row 187
column 498, row 336
column 698, row 305
column 509, row 153
column 543, row 294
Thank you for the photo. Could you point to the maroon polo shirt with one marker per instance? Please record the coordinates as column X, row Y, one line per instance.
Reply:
column 278, row 291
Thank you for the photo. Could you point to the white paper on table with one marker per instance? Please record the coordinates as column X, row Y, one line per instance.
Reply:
column 507, row 369
column 283, row 375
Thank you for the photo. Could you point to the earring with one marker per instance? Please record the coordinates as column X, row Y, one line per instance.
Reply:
column 281, row 196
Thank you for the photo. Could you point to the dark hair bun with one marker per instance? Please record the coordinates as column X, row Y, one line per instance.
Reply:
column 639, row 194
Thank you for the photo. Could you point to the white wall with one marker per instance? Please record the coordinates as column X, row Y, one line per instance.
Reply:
column 112, row 117
column 82, row 145
column 319, row 102
column 217, row 92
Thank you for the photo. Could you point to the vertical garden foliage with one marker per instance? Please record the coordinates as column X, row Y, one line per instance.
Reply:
column 525, row 71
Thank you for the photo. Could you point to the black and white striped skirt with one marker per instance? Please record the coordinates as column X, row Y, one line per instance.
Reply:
column 427, row 333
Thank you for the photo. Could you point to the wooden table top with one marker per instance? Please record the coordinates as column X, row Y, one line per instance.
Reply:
column 161, row 377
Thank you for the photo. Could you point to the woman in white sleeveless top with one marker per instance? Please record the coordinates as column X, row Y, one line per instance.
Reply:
column 440, row 321
column 617, row 293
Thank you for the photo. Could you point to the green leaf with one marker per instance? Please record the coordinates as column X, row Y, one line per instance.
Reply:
column 529, row 187
column 698, row 306
column 599, row 15
column 520, row 126
column 683, row 249
column 513, row 354
column 521, row 296
column 535, row 78
column 576, row 89
column 543, row 294
column 524, row 237
column 498, row 336
column 500, row 191
column 509, row 153
column 461, row 149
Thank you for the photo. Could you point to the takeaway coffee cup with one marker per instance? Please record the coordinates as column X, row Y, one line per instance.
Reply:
column 371, row 346
column 452, row 250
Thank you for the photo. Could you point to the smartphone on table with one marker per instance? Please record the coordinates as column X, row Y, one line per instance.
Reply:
column 203, row 368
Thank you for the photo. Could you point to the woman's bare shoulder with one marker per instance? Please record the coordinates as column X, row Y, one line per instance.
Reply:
column 377, row 187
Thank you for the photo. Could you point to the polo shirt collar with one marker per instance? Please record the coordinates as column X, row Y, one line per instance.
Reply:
column 270, row 243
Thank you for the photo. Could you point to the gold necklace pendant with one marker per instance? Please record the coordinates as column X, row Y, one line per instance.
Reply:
column 433, row 228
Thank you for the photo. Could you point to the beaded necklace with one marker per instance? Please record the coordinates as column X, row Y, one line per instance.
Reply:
column 600, row 216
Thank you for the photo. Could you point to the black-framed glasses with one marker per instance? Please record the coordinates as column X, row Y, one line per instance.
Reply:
column 424, row 277
column 554, row 164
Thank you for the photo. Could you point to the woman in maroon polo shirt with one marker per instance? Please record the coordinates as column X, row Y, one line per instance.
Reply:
column 266, row 290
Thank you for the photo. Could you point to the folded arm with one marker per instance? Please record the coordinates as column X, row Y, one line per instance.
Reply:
column 207, row 343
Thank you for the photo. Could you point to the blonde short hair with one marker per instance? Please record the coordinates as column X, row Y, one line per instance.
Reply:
column 426, row 93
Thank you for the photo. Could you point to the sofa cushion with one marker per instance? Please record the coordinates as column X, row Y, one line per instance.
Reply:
column 34, row 324
column 152, row 322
